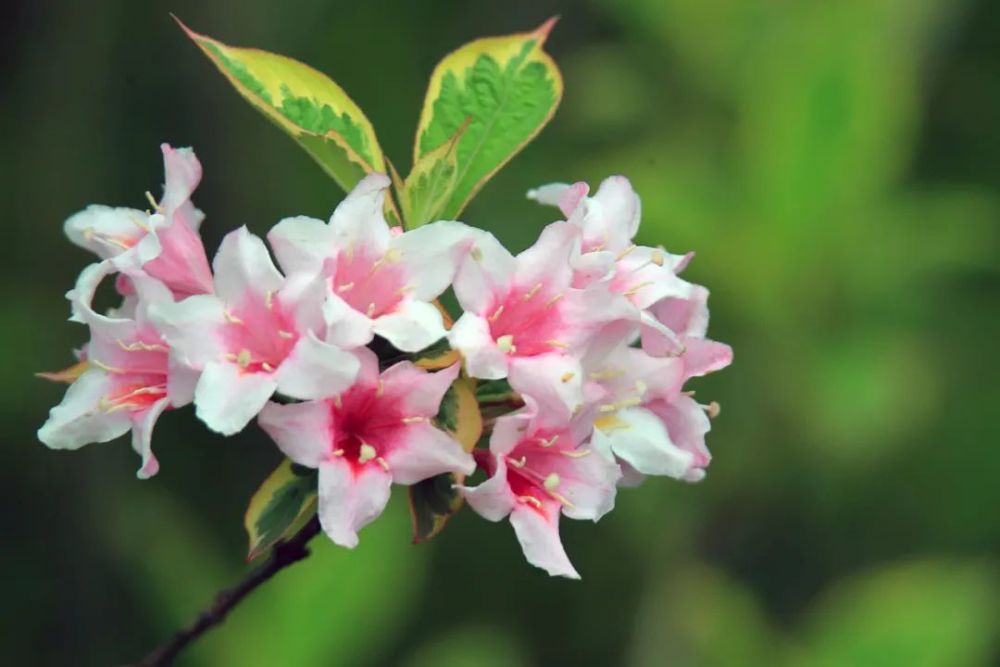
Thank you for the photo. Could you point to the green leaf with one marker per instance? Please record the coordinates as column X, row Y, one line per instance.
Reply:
column 431, row 183
column 303, row 102
column 506, row 89
column 287, row 496
column 433, row 501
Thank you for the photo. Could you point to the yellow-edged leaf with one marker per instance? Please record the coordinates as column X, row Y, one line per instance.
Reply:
column 431, row 182
column 287, row 496
column 305, row 103
column 507, row 87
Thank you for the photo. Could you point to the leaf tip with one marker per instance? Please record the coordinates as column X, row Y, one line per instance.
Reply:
column 542, row 31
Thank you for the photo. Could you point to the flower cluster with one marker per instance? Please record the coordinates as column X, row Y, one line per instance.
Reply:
column 592, row 336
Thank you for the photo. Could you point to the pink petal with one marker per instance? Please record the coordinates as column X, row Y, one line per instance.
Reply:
column 703, row 356
column 554, row 380
column 424, row 451
column 350, row 500
column 538, row 533
column 419, row 392
column 302, row 431
column 488, row 269
column 493, row 500
column 190, row 327
column 142, row 434
column 548, row 260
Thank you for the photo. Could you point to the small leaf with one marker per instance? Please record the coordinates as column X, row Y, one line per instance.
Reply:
column 287, row 496
column 67, row 375
column 495, row 391
column 306, row 104
column 431, row 182
column 435, row 500
column 509, row 88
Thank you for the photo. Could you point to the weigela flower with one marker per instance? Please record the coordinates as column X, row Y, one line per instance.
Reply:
column 163, row 244
column 257, row 334
column 523, row 318
column 540, row 466
column 382, row 282
column 377, row 432
column 129, row 379
column 684, row 325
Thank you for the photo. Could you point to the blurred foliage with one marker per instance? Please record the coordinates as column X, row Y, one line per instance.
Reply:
column 835, row 165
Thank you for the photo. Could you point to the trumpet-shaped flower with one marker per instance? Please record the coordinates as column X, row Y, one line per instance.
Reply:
column 522, row 316
column 377, row 432
column 163, row 244
column 382, row 282
column 257, row 334
column 129, row 379
column 679, row 329
column 539, row 467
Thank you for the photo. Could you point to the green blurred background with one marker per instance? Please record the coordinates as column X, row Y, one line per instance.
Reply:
column 835, row 166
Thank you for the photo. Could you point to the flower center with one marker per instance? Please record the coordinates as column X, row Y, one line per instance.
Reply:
column 536, row 468
column 259, row 334
column 365, row 427
column 369, row 284
column 527, row 321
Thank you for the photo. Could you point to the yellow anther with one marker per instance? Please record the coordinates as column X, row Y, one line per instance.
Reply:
column 366, row 453
column 229, row 317
column 531, row 500
column 414, row 420
column 346, row 287
column 267, row 367
column 269, row 299
column 476, row 254
column 518, row 463
column 506, row 343
column 139, row 346
column 566, row 377
column 624, row 253
column 285, row 334
column 532, row 292
column 552, row 481
column 243, row 358
column 713, row 410
column 337, row 452
column 548, row 443
column 337, row 402
column 606, row 374
column 496, row 313
column 556, row 343
column 382, row 462
column 370, row 311
column 576, row 453
column 552, row 300
column 657, row 257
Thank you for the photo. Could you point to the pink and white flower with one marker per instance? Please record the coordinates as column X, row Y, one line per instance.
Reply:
column 377, row 432
column 164, row 244
column 129, row 380
column 642, row 417
column 682, row 327
column 382, row 282
column 523, row 318
column 258, row 333
column 540, row 466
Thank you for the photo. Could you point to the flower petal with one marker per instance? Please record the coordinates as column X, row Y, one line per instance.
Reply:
column 226, row 398
column 639, row 437
column 104, row 230
column 702, row 356
column 190, row 327
column 243, row 265
column 302, row 431
column 432, row 254
column 78, row 420
column 418, row 392
column 315, row 369
column 470, row 335
column 412, row 326
column 555, row 381
column 301, row 244
column 142, row 434
column 424, row 451
column 487, row 269
column 548, row 260
column 359, row 220
column 493, row 499
column 346, row 327
column 538, row 533
column 349, row 501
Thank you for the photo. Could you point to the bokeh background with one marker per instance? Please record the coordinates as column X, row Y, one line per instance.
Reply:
column 834, row 165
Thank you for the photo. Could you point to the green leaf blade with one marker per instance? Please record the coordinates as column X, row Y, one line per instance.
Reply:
column 284, row 499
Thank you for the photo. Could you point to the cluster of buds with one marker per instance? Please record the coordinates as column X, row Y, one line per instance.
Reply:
column 591, row 336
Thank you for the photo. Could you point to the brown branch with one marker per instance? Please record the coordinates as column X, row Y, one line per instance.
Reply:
column 282, row 555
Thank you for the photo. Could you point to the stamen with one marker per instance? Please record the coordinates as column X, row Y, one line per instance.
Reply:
column 548, row 443
column 606, row 374
column 506, row 343
column 496, row 314
column 518, row 463
column 267, row 367
column 104, row 367
column 476, row 254
column 562, row 499
column 139, row 346
column 382, row 462
column 576, row 453
column 243, row 359
column 557, row 343
column 230, row 357
column 640, row 387
column 552, row 481
column 379, row 388
column 566, row 377
column 531, row 500
column 229, row 317
column 346, row 287
column 657, row 257
column 370, row 311
column 285, row 334
column 139, row 223
column 366, row 453
column 337, row 452
column 405, row 289
column 414, row 420
column 269, row 299
column 152, row 201
column 624, row 253
column 552, row 300
column 713, row 409
column 632, row 291
column 532, row 292
column 336, row 401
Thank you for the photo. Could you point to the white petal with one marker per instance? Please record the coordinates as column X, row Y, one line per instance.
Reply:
column 493, row 499
column 89, row 226
column 486, row 270
column 346, row 327
column 226, row 398
column 539, row 538
column 359, row 220
column 315, row 369
column 412, row 326
column 243, row 265
column 142, row 434
column 302, row 431
column 470, row 335
column 301, row 244
column 191, row 328
column 432, row 254
column 78, row 421
column 619, row 209
column 566, row 197
column 425, row 451
column 181, row 382
column 182, row 172
column 349, row 501
column 639, row 437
